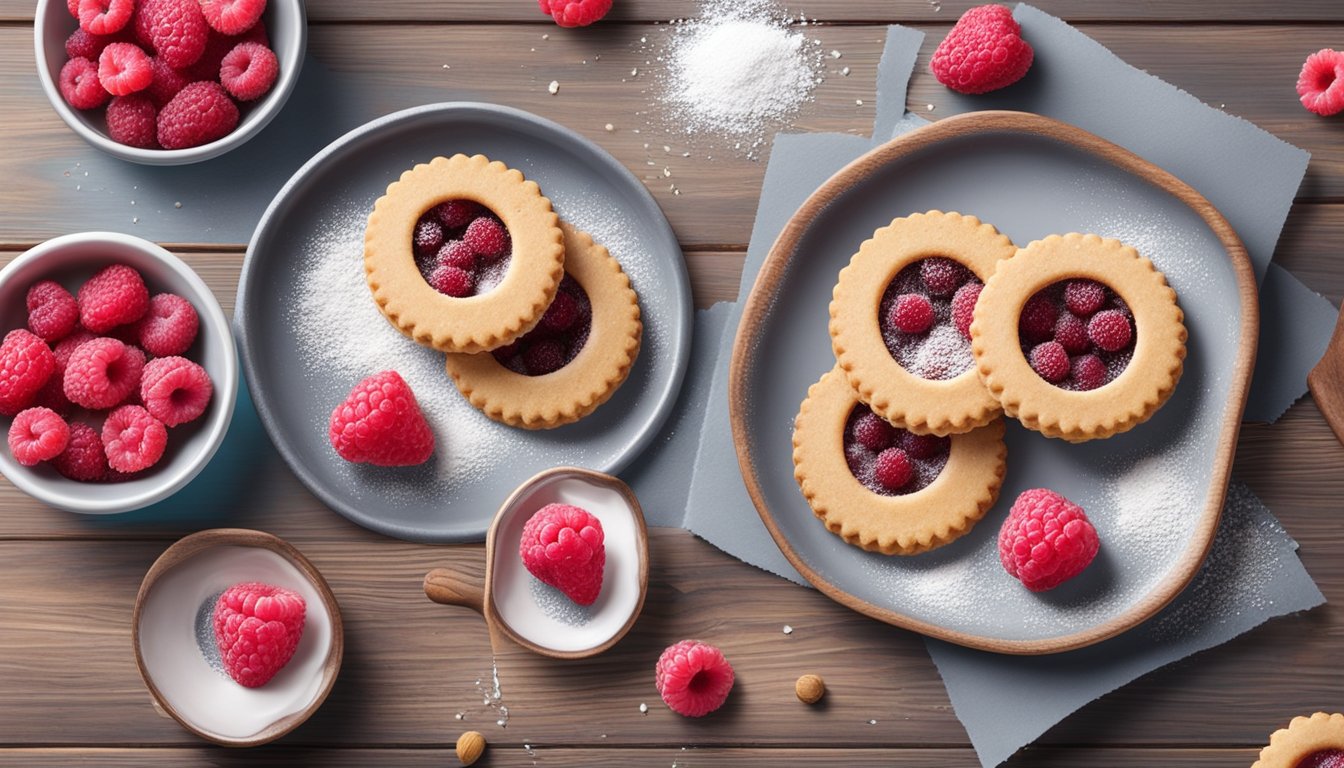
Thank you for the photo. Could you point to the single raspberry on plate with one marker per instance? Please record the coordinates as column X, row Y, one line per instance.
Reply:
column 458, row 254
column 912, row 313
column 1088, row 372
column 1050, row 361
column 133, row 439
column 52, row 312
column 562, row 545
column 105, row 17
column 1037, row 322
column 257, row 627
column 693, row 678
column 1071, row 333
column 102, row 373
column 26, row 362
column 166, row 84
column 81, row 44
column 199, row 114
column 249, row 71
column 123, row 68
column 175, row 390
column 562, row 314
column 83, row 458
column 169, row 326
column 983, row 52
column 452, row 281
column 575, row 13
column 942, row 276
column 1110, row 330
column 455, row 214
column 232, row 17
column 1321, row 83
column 133, row 120
column 1082, row 297
column 37, row 435
column 380, row 423
column 79, row 86
column 873, row 432
column 486, row 237
column 963, row 306
column 427, row 237
column 924, row 446
column 175, row 29
column 115, row 295
column 1046, row 540
column 893, row 469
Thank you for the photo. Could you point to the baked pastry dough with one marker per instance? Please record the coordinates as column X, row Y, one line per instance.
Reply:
column 1305, row 737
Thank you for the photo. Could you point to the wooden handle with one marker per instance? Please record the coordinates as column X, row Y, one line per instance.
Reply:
column 448, row 587
column 1326, row 381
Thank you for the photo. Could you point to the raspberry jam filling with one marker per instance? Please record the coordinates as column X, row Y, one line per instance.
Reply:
column 462, row 248
column 1077, row 334
column 558, row 337
column 925, row 318
column 888, row 460
column 1325, row 758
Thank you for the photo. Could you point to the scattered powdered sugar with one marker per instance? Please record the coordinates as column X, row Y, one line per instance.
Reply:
column 205, row 633
column 1153, row 503
column 557, row 605
column 492, row 696
column 942, row 353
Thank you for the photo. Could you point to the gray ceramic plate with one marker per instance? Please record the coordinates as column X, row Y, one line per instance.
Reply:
column 1154, row 493
column 309, row 329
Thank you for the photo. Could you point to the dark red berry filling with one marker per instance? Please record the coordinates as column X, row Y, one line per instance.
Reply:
column 888, row 460
column 462, row 248
column 1077, row 334
column 1325, row 758
column 558, row 337
column 925, row 317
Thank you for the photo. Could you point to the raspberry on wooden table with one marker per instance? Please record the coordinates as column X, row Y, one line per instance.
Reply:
column 175, row 390
column 248, row 71
column 575, row 13
column 83, row 458
column 1046, row 540
column 983, row 52
column 199, row 114
column 175, row 30
column 115, row 295
column 103, row 373
column 133, row 120
column 169, row 326
column 257, row 628
column 693, row 678
column 912, row 313
column 380, row 423
column 133, row 439
column 104, row 17
column 52, row 311
column 37, row 435
column 232, row 17
column 1320, row 85
column 79, row 86
column 26, row 362
column 563, row 546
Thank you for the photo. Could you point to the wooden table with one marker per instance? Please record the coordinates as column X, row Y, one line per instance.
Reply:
column 69, row 690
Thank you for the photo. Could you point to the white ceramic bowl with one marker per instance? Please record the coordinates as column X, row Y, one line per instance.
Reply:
column 70, row 260
column 286, row 25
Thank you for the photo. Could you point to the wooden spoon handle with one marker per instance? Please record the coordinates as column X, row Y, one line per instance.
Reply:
column 1326, row 381
column 448, row 587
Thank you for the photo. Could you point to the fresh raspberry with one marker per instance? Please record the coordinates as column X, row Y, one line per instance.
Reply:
column 486, row 237
column 249, row 71
column 123, row 68
column 1324, row 758
column 65, row 348
column 257, row 627
column 175, row 390
column 942, row 276
column 115, row 295
column 963, row 306
column 169, row 327
column 380, row 423
column 924, row 446
column 132, row 120
column 175, row 29
column 1083, row 297
column 1071, row 333
column 693, row 678
column 52, row 311
column 83, row 458
column 427, row 237
column 105, row 17
column 79, row 86
column 37, row 435
column 1046, row 540
column 133, row 439
column 1321, row 83
column 912, row 313
column 455, row 214
column 102, row 373
column 456, row 253
column 73, row 7
column 562, row 314
column 575, row 13
column 167, row 83
column 1050, row 361
column 256, row 34
column 873, row 432
column 452, row 281
column 232, row 17
column 52, row 394
column 199, row 114
column 1037, row 322
column 81, row 44
column 1088, row 372
column 217, row 46
column 1110, row 330
column 562, row 546
column 983, row 52
column 893, row 469
column 543, row 357
column 26, row 362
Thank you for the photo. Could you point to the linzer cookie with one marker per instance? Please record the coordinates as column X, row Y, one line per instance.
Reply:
column 1307, row 742
column 1079, row 337
column 574, row 360
column 886, row 489
column 900, row 320
column 463, row 254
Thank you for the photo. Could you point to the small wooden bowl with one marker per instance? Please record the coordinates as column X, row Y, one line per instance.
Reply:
column 166, row 630
column 540, row 618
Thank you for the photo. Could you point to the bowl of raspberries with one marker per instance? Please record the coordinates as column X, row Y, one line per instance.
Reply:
column 118, row 373
column 168, row 82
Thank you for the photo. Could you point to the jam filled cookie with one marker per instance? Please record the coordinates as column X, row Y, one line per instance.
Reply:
column 1079, row 337
column 575, row 358
column 463, row 254
column 1307, row 742
column 900, row 320
column 886, row 489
